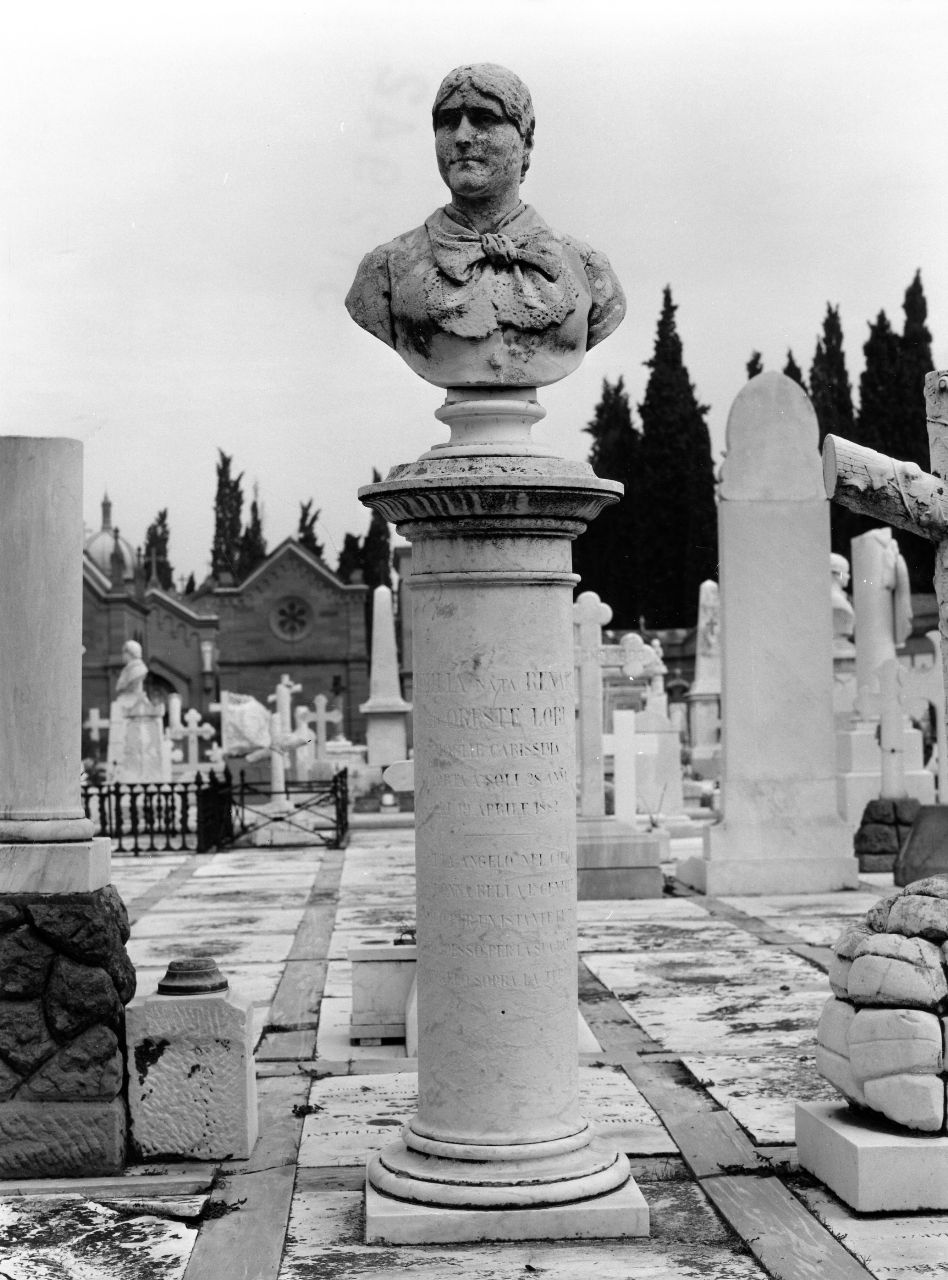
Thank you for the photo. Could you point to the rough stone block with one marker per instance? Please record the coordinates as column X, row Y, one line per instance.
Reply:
column 88, row 1067
column 878, row 914
column 930, row 887
column 836, row 1068
column 79, row 995
column 906, row 810
column 25, row 1041
column 192, row 1088
column 891, row 970
column 917, row 1102
column 885, row 1042
column 838, row 975
column 926, row 850
column 24, row 963
column 879, row 811
column 61, row 1139
column 919, row 916
column 873, row 838
column 851, row 938
column 833, row 1029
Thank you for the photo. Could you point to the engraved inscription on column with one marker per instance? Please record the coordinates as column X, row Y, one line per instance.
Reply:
column 497, row 881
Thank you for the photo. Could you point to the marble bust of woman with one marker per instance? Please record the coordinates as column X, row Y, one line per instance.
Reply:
column 485, row 293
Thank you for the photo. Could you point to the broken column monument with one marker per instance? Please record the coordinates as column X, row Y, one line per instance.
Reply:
column 64, row 972
column 781, row 832
column 487, row 302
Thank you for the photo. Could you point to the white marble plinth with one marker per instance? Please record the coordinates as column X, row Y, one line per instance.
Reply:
column 794, row 872
column 73, row 866
column 618, row 1215
column 871, row 1165
column 615, row 860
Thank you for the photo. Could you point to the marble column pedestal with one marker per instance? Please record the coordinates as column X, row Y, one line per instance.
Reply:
column 498, row 1148
column 64, row 972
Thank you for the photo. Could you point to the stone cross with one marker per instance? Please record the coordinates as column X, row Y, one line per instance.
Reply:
column 900, row 493
column 281, row 734
column 321, row 719
column 192, row 731
column 95, row 724
column 633, row 657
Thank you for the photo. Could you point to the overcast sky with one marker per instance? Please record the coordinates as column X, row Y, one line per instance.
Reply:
column 188, row 189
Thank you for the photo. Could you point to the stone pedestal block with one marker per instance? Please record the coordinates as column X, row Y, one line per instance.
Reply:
column 192, row 1089
column 498, row 1148
column 382, row 979
column 869, row 1164
column 615, row 860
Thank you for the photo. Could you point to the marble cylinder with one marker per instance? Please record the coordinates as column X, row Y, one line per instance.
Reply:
column 41, row 590
column 498, row 1125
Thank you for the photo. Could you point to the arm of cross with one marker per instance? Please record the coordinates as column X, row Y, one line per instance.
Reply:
column 899, row 493
column 639, row 658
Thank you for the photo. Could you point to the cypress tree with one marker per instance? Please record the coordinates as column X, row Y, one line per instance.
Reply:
column 678, row 544
column 605, row 555
column 228, row 506
column 908, row 440
column 830, row 389
column 156, row 547
column 306, row 530
column 792, row 370
column 879, row 388
column 350, row 558
column 253, row 545
column 755, row 365
column 832, row 400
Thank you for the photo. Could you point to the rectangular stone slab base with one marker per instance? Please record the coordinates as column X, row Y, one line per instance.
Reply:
column 618, row 1215
column 727, row 877
column 46, row 1139
column 870, row 1165
column 616, row 860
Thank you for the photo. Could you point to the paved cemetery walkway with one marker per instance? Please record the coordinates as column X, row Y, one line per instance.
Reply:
column 698, row 1019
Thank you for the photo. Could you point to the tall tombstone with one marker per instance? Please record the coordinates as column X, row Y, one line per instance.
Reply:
column 487, row 302
column 386, row 712
column 704, row 696
column 781, row 832
column 64, row 971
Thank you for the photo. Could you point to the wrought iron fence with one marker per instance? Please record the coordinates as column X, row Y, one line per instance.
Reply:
column 317, row 811
column 213, row 813
column 161, row 817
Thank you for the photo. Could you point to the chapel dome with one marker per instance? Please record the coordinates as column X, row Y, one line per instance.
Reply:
column 100, row 545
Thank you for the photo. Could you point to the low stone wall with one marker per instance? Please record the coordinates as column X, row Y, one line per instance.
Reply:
column 883, row 831
column 65, row 978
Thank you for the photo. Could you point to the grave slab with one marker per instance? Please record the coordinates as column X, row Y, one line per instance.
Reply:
column 872, row 1166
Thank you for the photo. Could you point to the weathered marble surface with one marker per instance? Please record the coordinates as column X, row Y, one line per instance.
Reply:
column 75, row 1238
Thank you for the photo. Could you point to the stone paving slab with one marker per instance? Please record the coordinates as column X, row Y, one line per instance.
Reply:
column 57, row 1237
column 688, row 1242
column 355, row 1118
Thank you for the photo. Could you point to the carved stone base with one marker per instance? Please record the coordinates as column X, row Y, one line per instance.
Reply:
column 62, row 1139
column 619, row 1214
column 614, row 860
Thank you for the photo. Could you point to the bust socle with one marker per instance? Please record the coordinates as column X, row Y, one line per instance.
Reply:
column 485, row 294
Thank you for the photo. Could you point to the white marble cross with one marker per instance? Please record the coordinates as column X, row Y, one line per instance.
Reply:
column 192, row 731
column 95, row 724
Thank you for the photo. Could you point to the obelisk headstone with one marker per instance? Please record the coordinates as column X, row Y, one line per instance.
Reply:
column 488, row 302
column 386, row 712
column 781, row 832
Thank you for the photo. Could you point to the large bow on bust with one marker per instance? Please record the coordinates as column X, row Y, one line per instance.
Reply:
column 507, row 276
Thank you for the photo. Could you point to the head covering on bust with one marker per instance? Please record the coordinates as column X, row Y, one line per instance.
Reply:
column 494, row 82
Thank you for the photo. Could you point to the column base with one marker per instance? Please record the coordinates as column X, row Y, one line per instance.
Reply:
column 618, row 1214
column 872, row 1166
column 73, row 866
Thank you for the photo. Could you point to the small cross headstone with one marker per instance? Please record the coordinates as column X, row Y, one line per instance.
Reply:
column 192, row 731
column 95, row 724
